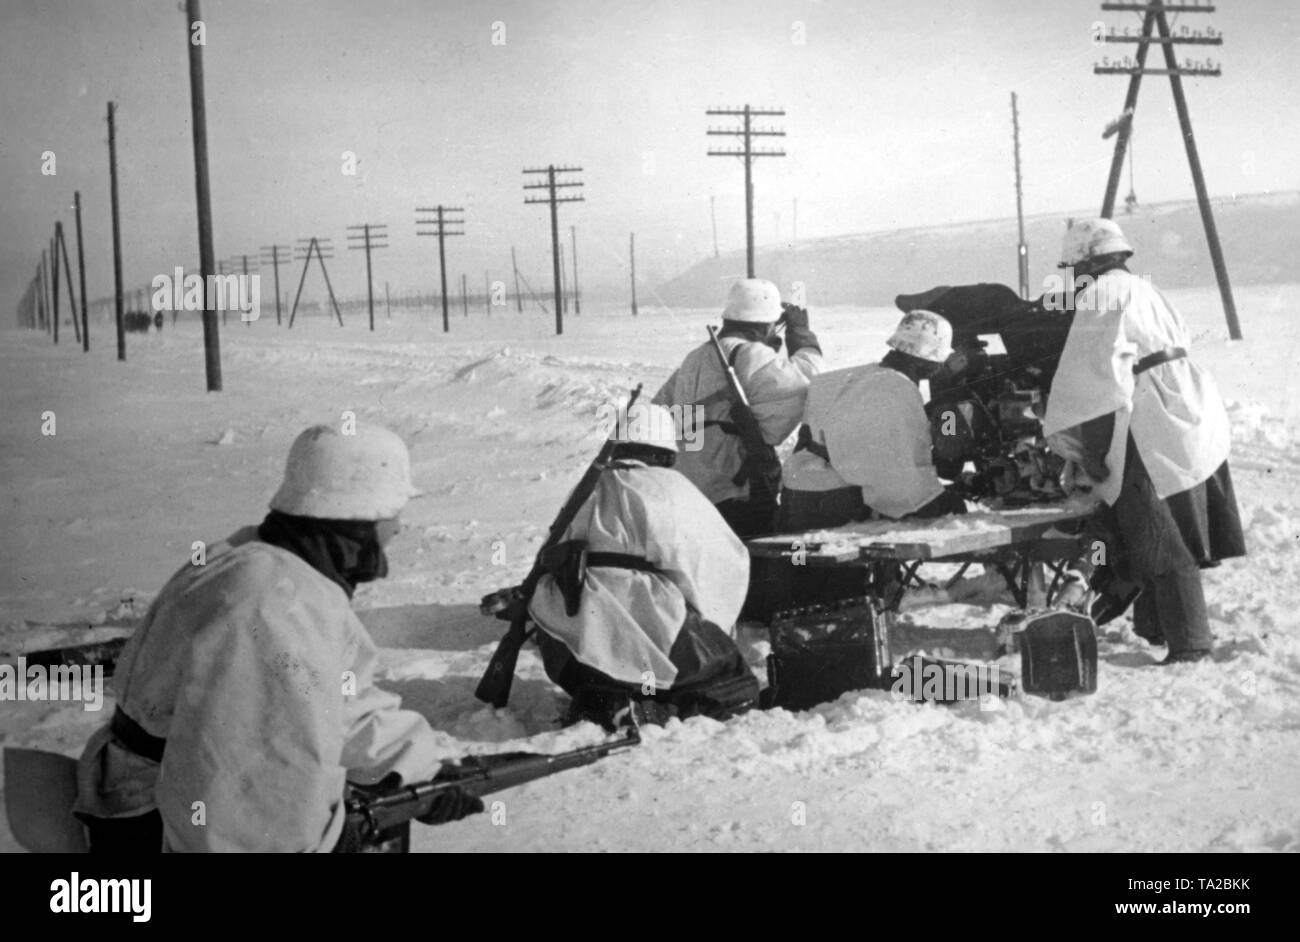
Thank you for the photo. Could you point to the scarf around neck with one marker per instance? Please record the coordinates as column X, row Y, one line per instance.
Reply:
column 346, row 552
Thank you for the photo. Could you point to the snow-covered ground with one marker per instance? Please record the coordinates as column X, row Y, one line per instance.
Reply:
column 501, row 417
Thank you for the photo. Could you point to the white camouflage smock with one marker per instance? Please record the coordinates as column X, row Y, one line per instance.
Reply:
column 259, row 676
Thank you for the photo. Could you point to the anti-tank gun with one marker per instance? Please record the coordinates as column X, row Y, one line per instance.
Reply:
column 986, row 408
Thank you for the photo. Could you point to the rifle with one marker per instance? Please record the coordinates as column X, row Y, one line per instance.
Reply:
column 760, row 466
column 494, row 687
column 376, row 816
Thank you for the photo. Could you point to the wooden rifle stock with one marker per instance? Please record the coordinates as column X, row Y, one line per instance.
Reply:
column 375, row 813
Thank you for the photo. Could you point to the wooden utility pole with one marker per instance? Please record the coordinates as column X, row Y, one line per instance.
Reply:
column 322, row 249
column 117, row 236
column 81, row 274
column 446, row 218
column 54, row 267
column 1022, row 250
column 278, row 252
column 207, row 255
column 551, row 186
column 748, row 154
column 380, row 233
column 45, row 290
column 713, row 215
column 631, row 252
column 577, row 295
column 1154, row 19
column 67, row 270
column 564, row 281
column 519, row 298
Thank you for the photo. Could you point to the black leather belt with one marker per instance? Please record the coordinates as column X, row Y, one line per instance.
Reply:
column 1155, row 359
column 620, row 561
column 132, row 735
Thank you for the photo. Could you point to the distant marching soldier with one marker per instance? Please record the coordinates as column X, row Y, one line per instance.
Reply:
column 775, row 386
column 1144, row 427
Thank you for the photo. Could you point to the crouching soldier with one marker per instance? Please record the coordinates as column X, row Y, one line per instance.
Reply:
column 637, row 610
column 713, row 457
column 865, row 443
column 1143, row 428
column 864, row 450
column 245, row 701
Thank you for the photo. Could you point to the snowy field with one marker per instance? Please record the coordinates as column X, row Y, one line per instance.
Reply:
column 501, row 417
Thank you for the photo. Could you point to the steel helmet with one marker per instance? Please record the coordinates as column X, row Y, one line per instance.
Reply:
column 645, row 423
column 364, row 475
column 753, row 301
column 1090, row 238
column 924, row 335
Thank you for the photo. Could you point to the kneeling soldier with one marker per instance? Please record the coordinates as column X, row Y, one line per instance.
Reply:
column 637, row 611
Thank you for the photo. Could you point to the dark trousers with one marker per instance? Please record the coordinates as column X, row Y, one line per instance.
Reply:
column 749, row 518
column 141, row 834
column 706, row 658
column 1155, row 554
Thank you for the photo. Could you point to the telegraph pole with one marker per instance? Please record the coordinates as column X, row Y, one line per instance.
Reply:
column 67, row 270
column 748, row 153
column 631, row 251
column 577, row 297
column 519, row 298
column 1154, row 17
column 207, row 255
column 380, row 232
column 237, row 263
column 81, row 274
column 45, row 290
column 551, row 186
column 1022, row 250
column 322, row 249
column 564, row 281
column 117, row 236
column 713, row 215
column 446, row 219
column 274, row 262
column 54, row 284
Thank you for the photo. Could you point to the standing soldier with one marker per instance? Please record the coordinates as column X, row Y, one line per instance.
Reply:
column 245, row 701
column 774, row 385
column 637, row 612
column 1143, row 426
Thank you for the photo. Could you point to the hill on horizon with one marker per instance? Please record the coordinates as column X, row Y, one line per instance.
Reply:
column 1260, row 234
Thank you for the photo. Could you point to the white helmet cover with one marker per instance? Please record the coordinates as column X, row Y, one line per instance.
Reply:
column 330, row 475
column 645, row 423
column 1087, row 239
column 923, row 334
column 753, row 301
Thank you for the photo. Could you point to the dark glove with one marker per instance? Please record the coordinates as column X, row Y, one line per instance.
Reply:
column 798, row 334
column 451, row 805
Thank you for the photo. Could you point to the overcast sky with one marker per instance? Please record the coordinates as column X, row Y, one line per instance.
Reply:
column 898, row 115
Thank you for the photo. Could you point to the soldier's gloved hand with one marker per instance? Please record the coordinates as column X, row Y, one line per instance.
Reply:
column 452, row 805
column 798, row 334
column 795, row 317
